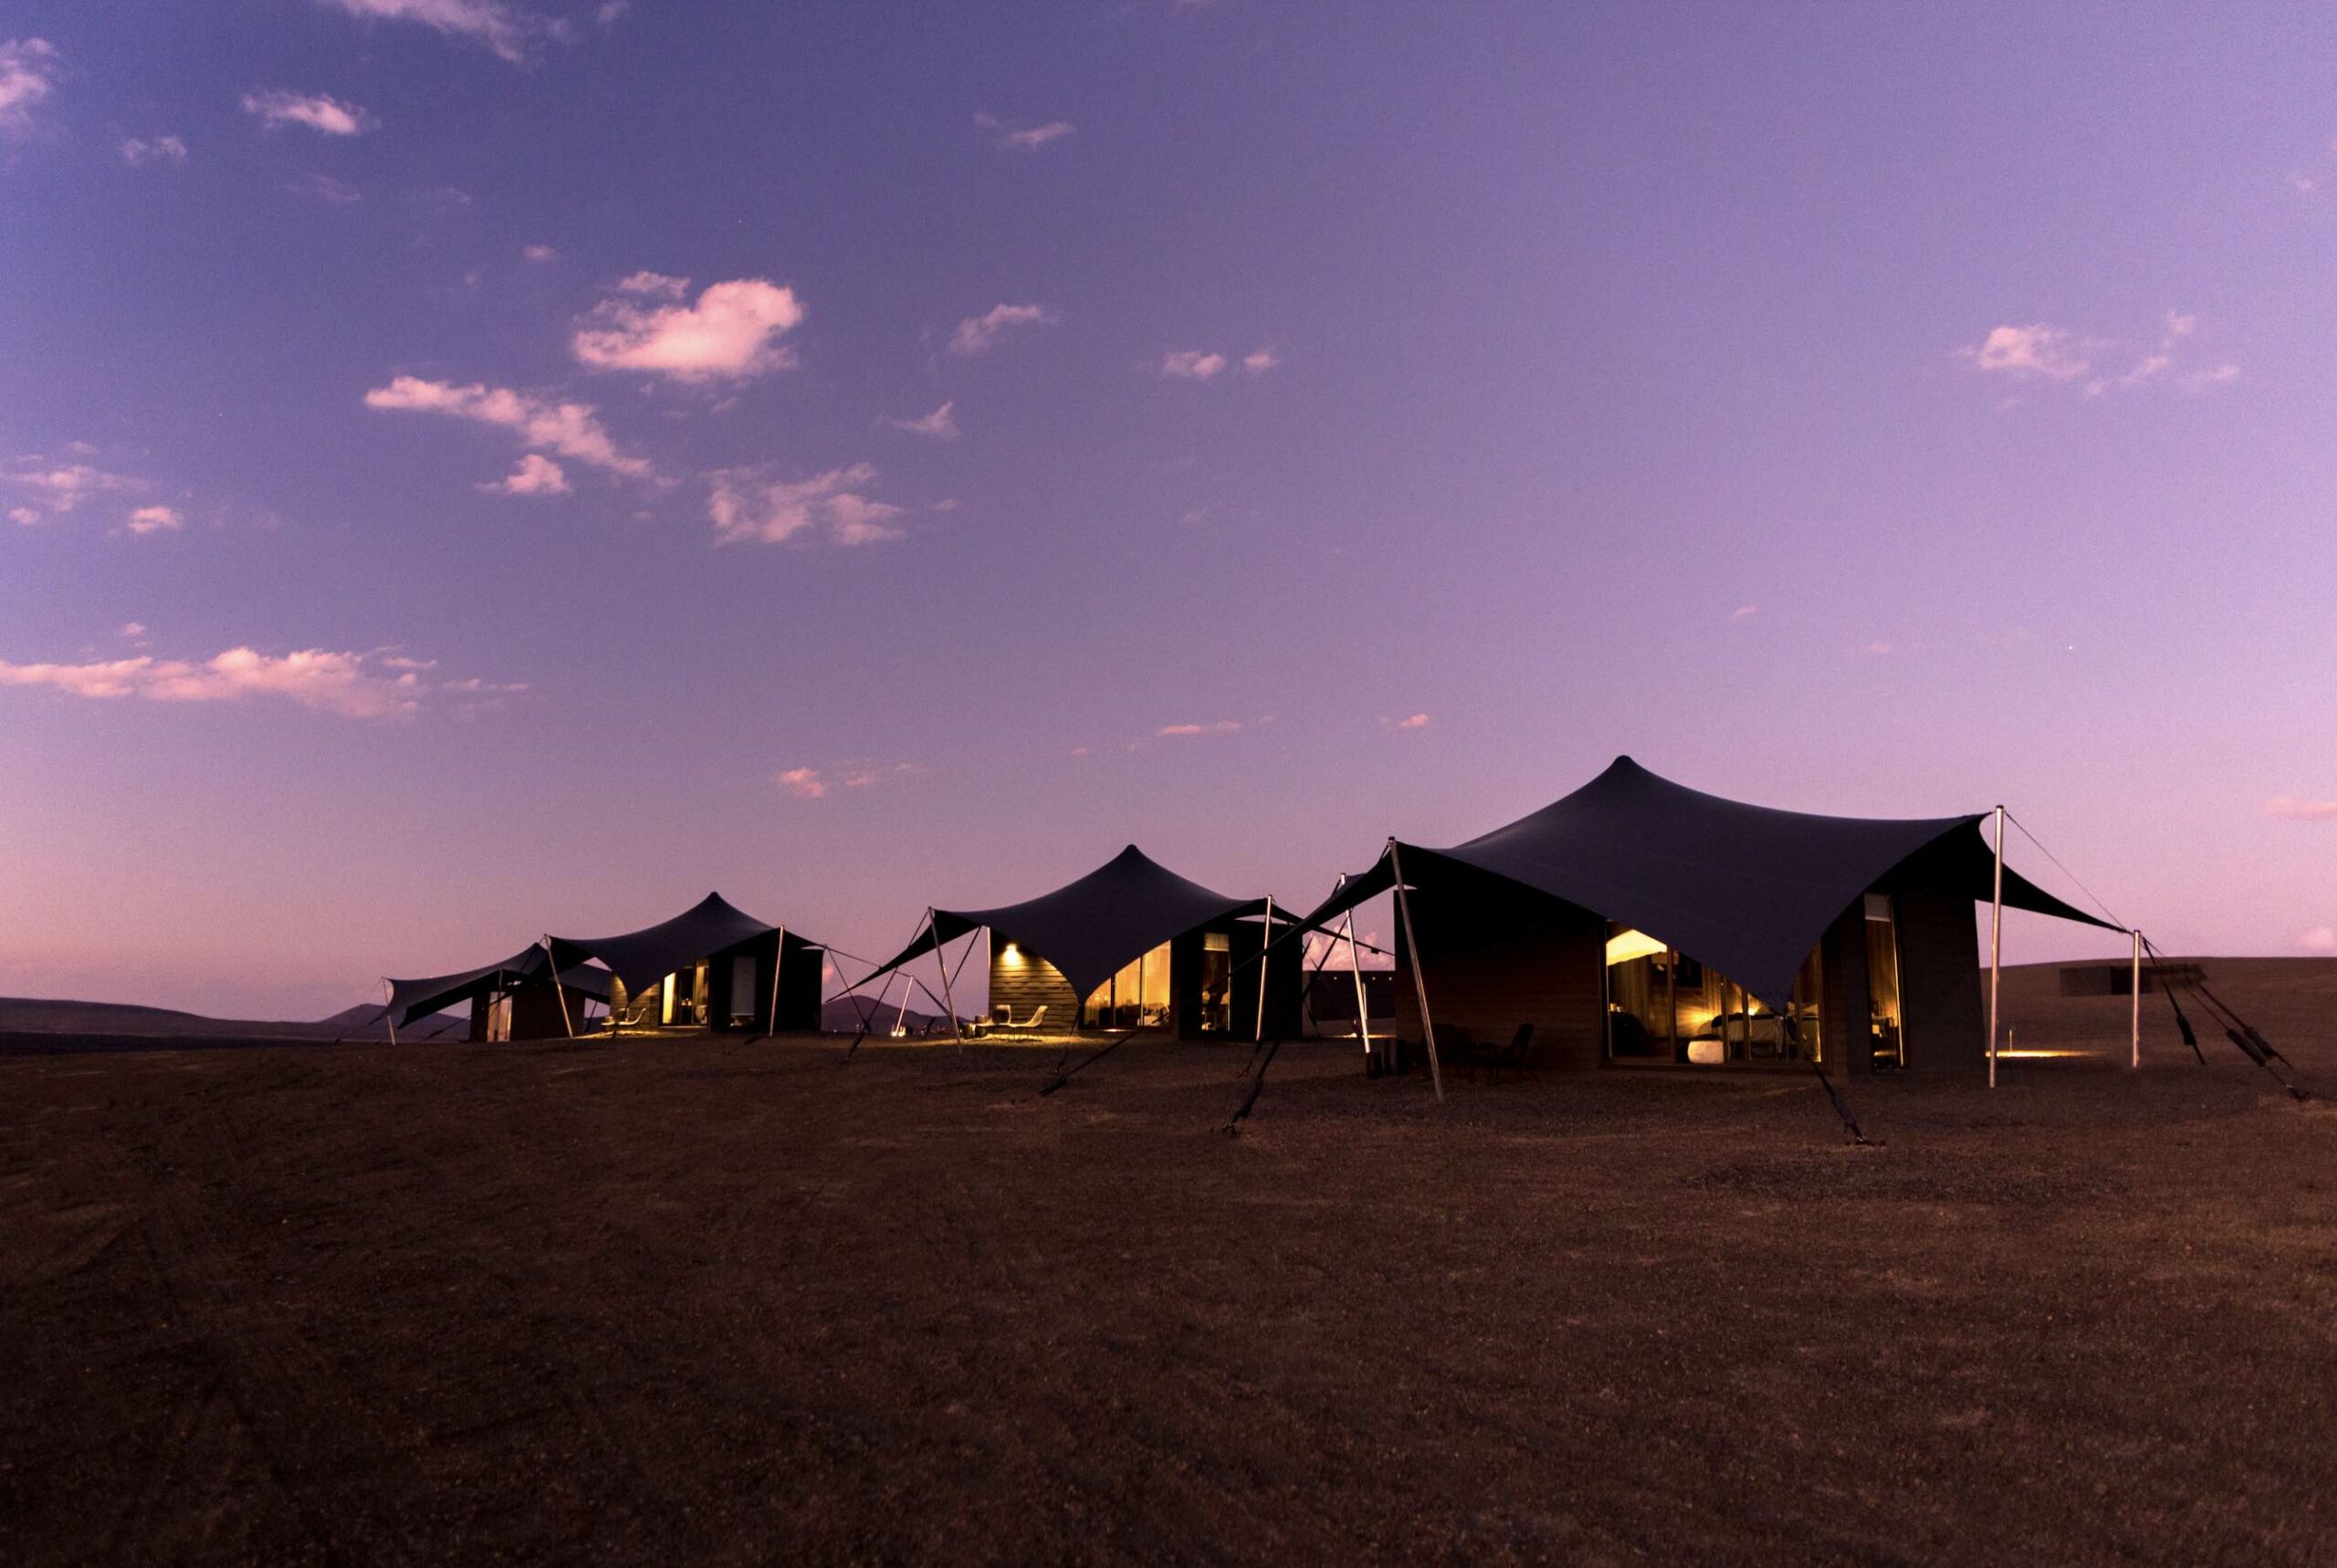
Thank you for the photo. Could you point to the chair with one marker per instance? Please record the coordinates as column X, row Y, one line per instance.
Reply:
column 638, row 1014
column 1496, row 1057
column 1034, row 1021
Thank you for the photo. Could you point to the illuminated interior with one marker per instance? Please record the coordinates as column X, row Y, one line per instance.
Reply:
column 1663, row 1007
column 1884, row 1014
column 1217, row 982
column 1137, row 995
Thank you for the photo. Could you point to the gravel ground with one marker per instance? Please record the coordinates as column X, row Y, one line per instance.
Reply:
column 713, row 1301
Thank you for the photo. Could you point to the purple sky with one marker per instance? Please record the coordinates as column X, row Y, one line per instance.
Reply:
column 474, row 467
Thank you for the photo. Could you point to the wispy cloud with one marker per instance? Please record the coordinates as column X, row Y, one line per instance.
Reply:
column 536, row 474
column 1415, row 721
column 1022, row 138
column 140, row 150
column 571, row 428
column 2300, row 810
column 1222, row 727
column 2036, row 349
column 2221, row 376
column 732, row 333
column 27, row 77
column 1192, row 364
column 2319, row 939
column 505, row 28
column 1744, row 613
column 539, row 253
column 804, row 783
column 1258, row 361
column 748, row 506
column 866, row 776
column 352, row 686
column 325, row 188
column 276, row 107
column 52, row 487
column 941, row 425
column 155, row 520
column 981, row 334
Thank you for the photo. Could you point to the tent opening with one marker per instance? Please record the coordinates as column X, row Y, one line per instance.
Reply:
column 1135, row 998
column 1665, row 1007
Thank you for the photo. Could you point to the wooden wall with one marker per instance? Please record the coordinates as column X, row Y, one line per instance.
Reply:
column 1845, row 1014
column 1026, row 982
column 1942, row 990
column 1497, row 956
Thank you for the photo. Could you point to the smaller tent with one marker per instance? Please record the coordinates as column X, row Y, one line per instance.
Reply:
column 537, row 1009
column 726, row 969
column 1073, row 941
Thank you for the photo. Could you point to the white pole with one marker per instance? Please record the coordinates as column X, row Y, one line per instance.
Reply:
column 1419, row 980
column 778, row 961
column 389, row 996
column 2135, row 1022
column 1362, row 1008
column 1267, row 943
column 949, row 998
column 558, row 989
column 1996, row 945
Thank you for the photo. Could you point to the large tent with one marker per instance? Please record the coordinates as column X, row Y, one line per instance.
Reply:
column 708, row 931
column 1092, row 927
column 415, row 998
column 1748, row 890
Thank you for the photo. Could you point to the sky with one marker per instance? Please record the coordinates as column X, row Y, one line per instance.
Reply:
column 477, row 467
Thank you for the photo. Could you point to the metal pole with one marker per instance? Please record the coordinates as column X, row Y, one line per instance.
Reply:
column 777, row 962
column 389, row 999
column 1419, row 981
column 2135, row 1023
column 1362, row 1008
column 559, row 990
column 949, row 998
column 1265, row 946
column 1995, row 945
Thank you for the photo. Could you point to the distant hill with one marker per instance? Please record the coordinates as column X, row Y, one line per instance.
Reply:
column 842, row 1015
column 37, row 1015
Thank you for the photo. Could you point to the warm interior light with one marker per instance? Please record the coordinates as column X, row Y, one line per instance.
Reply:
column 1629, row 945
column 2031, row 1054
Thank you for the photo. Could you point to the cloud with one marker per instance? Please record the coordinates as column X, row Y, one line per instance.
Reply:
column 658, row 283
column 2178, row 325
column 2300, row 810
column 1022, row 138
column 803, row 782
column 2221, row 376
column 505, row 28
column 352, row 686
column 1192, row 364
column 539, row 253
column 53, row 486
column 1417, row 721
column 535, row 476
column 941, row 424
column 28, row 75
column 732, row 333
column 865, row 777
column 277, row 108
column 133, row 629
column 2036, row 350
column 1258, row 361
column 981, row 334
column 155, row 520
column 1222, row 727
column 747, row 506
column 325, row 188
column 140, row 150
column 1744, row 613
column 571, row 428
column 2319, row 939
column 1873, row 650
column 23, row 516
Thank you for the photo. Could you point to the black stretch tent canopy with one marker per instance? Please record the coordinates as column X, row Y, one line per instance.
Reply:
column 412, row 1000
column 1092, row 928
column 642, row 958
column 1746, row 890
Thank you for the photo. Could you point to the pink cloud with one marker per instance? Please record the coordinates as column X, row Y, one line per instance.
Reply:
column 571, row 429
column 981, row 334
column 1192, row 364
column 804, row 783
column 732, row 333
column 1222, row 727
column 352, row 686
column 2300, row 810
column 536, row 474
column 276, row 107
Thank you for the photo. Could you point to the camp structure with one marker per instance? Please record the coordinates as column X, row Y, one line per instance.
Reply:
column 712, row 966
column 1129, row 945
column 509, row 1000
column 1638, row 922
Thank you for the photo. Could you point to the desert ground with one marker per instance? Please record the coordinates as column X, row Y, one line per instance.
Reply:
column 719, row 1301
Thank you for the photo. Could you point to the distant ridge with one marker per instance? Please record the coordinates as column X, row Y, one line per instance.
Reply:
column 37, row 1015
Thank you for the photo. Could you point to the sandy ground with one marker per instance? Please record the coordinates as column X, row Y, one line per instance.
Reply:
column 722, row 1303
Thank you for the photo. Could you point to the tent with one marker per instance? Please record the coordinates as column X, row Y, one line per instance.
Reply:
column 520, row 974
column 1747, row 891
column 723, row 961
column 1073, row 941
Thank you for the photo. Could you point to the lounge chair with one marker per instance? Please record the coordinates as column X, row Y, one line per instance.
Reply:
column 1486, row 1053
column 1038, row 1016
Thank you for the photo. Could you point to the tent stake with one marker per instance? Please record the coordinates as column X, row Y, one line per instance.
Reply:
column 558, row 989
column 2135, row 1023
column 1266, row 943
column 1419, row 980
column 1996, row 945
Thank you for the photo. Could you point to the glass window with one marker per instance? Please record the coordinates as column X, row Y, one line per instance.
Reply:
column 1138, row 992
column 1665, row 1007
column 1882, row 1003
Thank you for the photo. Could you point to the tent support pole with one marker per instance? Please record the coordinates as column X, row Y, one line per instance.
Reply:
column 559, row 990
column 1996, row 945
column 1362, row 1008
column 389, row 1015
column 1266, row 943
column 777, row 962
column 2134, row 1025
column 949, row 998
column 1419, row 980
